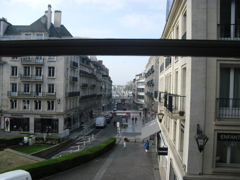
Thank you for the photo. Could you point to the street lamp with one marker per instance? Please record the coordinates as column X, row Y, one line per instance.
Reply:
column 201, row 139
column 160, row 117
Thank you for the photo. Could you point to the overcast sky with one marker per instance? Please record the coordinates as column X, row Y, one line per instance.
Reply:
column 99, row 19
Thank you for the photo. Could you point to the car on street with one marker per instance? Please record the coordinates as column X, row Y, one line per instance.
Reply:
column 124, row 108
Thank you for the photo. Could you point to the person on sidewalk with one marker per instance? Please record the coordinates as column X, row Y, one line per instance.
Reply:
column 135, row 119
column 143, row 120
column 132, row 119
column 146, row 146
column 125, row 140
column 140, row 114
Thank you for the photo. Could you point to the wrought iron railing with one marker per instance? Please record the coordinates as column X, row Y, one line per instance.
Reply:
column 72, row 94
column 32, row 60
column 31, row 94
column 229, row 31
column 228, row 108
column 31, row 77
column 174, row 103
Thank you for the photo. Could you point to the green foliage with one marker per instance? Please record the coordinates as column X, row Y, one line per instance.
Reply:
column 10, row 141
column 53, row 166
column 30, row 149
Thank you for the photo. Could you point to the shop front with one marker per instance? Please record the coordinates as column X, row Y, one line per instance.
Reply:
column 16, row 124
column 46, row 125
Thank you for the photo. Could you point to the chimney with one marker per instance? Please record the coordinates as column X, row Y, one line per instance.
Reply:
column 93, row 58
column 49, row 17
column 100, row 62
column 57, row 19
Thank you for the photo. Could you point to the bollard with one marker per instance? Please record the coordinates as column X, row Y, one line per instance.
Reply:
column 84, row 143
column 89, row 139
column 92, row 136
column 70, row 151
column 78, row 147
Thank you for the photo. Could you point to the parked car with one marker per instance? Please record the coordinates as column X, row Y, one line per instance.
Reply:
column 124, row 108
column 108, row 118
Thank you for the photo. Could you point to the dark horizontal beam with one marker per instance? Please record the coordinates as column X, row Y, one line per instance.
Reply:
column 132, row 47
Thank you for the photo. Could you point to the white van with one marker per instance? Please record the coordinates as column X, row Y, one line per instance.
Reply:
column 101, row 122
column 16, row 175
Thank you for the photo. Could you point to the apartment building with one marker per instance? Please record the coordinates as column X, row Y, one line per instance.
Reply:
column 106, row 82
column 151, row 86
column 199, row 95
column 50, row 93
column 138, row 91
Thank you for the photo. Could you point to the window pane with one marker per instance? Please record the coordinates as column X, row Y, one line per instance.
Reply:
column 224, row 86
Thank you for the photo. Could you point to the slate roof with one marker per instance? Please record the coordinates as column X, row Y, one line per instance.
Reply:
column 39, row 25
column 97, row 66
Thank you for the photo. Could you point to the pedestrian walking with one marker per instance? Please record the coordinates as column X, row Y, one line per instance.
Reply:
column 114, row 123
column 140, row 114
column 135, row 119
column 146, row 146
column 143, row 120
column 125, row 140
column 132, row 119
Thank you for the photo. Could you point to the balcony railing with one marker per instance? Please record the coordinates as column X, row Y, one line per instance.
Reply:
column 229, row 31
column 31, row 77
column 93, row 86
column 73, row 79
column 32, row 60
column 31, row 94
column 88, row 97
column 228, row 108
column 73, row 64
column 175, row 105
column 72, row 94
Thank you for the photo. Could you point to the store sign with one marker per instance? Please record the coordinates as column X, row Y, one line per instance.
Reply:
column 163, row 151
column 228, row 137
column 45, row 116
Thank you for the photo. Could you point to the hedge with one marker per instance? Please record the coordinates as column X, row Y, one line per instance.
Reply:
column 53, row 166
column 10, row 141
column 6, row 142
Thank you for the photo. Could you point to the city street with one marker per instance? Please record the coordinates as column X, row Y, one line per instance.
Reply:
column 130, row 163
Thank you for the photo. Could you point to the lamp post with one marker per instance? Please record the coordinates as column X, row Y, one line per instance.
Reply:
column 201, row 139
column 160, row 117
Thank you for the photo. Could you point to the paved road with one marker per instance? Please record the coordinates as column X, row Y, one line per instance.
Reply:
column 132, row 163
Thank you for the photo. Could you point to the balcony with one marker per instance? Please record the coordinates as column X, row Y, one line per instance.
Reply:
column 73, row 64
column 84, row 85
column 22, row 94
column 72, row 94
column 73, row 79
column 84, row 73
column 32, row 60
column 174, row 106
column 31, row 77
column 93, row 86
column 228, row 108
column 86, row 97
column 229, row 31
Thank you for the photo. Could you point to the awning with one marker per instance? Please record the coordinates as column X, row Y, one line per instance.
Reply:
column 150, row 128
